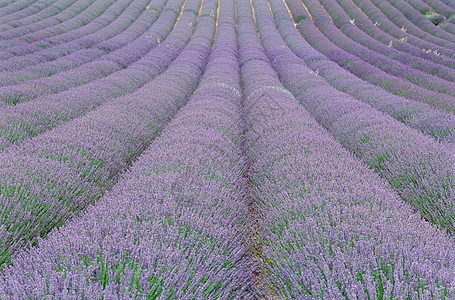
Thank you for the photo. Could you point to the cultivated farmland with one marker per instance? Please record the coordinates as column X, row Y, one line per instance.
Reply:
column 227, row 149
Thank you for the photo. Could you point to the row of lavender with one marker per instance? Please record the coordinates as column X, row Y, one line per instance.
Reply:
column 335, row 230
column 10, row 7
column 73, row 17
column 438, row 124
column 409, row 11
column 417, row 166
column 430, row 10
column 351, row 29
column 148, row 58
column 128, row 51
column 35, row 12
column 421, row 40
column 106, row 17
column 178, row 224
column 132, row 21
column 413, row 60
column 119, row 32
column 384, row 31
column 392, row 21
column 395, row 15
column 73, row 37
column 89, row 152
column 403, row 81
column 173, row 226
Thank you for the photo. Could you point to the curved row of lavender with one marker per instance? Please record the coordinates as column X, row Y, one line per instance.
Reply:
column 132, row 22
column 67, row 18
column 419, row 168
column 335, row 229
column 12, row 7
column 413, row 15
column 426, row 42
column 436, row 9
column 81, row 14
column 55, row 35
column 94, row 26
column 426, row 22
column 107, row 64
column 342, row 21
column 394, row 36
column 5, row 3
column 173, row 227
column 36, row 12
column 72, row 40
column 378, row 60
column 433, row 122
column 37, row 116
column 72, row 50
column 74, row 17
column 387, row 11
column 362, row 68
column 444, row 8
column 56, row 174
column 264, row 187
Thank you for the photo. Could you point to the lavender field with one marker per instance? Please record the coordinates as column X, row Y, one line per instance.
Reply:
column 227, row 149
